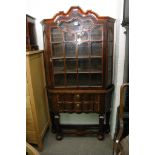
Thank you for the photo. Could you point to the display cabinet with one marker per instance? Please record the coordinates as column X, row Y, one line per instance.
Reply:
column 78, row 56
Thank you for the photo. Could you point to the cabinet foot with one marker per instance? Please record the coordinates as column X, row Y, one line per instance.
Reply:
column 107, row 128
column 53, row 130
column 100, row 137
column 40, row 146
column 59, row 136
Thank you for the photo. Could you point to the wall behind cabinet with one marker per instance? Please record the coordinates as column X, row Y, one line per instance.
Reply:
column 41, row 9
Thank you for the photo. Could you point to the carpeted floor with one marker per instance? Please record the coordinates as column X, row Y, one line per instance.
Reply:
column 76, row 145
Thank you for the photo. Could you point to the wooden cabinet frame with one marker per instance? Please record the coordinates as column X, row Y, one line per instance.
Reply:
column 78, row 60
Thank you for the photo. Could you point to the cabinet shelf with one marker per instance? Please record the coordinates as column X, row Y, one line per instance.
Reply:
column 77, row 42
column 71, row 72
column 54, row 58
column 58, row 72
column 93, row 57
column 89, row 86
column 79, row 72
column 94, row 72
column 81, row 57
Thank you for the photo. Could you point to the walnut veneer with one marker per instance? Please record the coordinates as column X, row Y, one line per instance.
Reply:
column 78, row 60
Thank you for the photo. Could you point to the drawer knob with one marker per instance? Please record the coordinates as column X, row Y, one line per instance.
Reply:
column 78, row 105
column 77, row 95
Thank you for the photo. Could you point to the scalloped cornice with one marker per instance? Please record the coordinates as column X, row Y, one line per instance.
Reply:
column 72, row 13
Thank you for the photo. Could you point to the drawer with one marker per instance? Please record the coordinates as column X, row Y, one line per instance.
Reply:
column 65, row 106
column 78, row 97
column 65, row 97
column 76, row 102
column 87, row 106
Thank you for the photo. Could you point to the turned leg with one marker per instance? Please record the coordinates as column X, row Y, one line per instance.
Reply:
column 53, row 128
column 59, row 134
column 107, row 118
column 100, row 135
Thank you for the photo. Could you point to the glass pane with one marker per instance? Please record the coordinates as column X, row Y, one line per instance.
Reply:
column 59, row 79
column 82, row 36
column 109, row 77
column 109, row 63
column 96, row 64
column 70, row 65
column 83, row 65
column 69, row 36
column 83, row 79
column 83, row 50
column 110, row 34
column 57, row 50
column 70, row 49
column 73, row 25
column 63, row 25
column 71, row 80
column 96, row 49
column 96, row 79
column 110, row 49
column 87, row 24
column 96, row 33
column 56, row 35
column 58, row 66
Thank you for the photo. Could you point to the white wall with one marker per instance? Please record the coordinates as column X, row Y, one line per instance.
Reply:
column 41, row 9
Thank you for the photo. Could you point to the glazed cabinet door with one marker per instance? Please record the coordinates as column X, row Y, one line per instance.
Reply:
column 76, row 56
column 109, row 54
column 78, row 50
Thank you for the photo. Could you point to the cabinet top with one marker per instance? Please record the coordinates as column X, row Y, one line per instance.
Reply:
column 76, row 12
column 33, row 52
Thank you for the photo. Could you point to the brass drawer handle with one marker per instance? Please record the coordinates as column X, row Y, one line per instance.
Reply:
column 77, row 96
column 77, row 104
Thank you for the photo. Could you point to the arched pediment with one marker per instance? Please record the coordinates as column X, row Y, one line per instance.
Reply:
column 76, row 19
column 75, row 12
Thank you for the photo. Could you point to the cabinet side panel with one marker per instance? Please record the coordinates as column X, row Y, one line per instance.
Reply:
column 109, row 54
column 47, row 55
column 31, row 137
column 29, row 116
column 38, row 89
